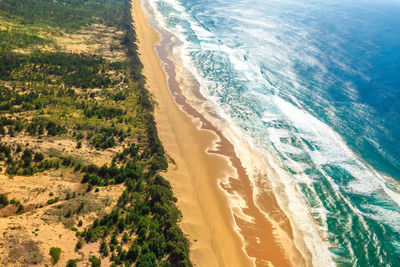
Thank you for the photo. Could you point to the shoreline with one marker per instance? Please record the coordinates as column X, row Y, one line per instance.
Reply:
column 218, row 235
column 210, row 246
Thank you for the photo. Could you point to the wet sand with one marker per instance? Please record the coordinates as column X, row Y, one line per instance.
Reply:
column 204, row 158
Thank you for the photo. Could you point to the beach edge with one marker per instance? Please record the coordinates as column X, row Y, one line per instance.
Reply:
column 207, row 219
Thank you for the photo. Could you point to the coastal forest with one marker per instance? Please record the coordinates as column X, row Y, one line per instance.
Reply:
column 80, row 159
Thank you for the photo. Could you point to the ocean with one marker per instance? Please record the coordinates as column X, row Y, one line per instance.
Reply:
column 315, row 85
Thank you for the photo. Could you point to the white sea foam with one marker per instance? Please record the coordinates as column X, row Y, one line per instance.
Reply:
column 333, row 150
column 238, row 205
column 390, row 217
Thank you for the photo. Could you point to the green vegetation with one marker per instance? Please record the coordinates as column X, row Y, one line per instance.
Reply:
column 20, row 209
column 14, row 38
column 52, row 200
column 66, row 15
column 26, row 162
column 48, row 94
column 79, row 245
column 96, row 262
column 72, row 263
column 3, row 201
column 55, row 254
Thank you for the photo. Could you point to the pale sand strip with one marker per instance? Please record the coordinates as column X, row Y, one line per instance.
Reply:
column 207, row 219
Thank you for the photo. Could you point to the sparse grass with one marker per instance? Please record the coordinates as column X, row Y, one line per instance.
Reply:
column 24, row 251
column 71, row 209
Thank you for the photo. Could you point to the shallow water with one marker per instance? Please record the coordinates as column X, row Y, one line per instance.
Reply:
column 316, row 85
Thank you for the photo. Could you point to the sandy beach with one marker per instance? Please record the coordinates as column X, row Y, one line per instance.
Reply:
column 208, row 221
column 206, row 215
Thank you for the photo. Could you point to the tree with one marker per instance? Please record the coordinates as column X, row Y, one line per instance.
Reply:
column 133, row 253
column 157, row 243
column 179, row 253
column 147, row 260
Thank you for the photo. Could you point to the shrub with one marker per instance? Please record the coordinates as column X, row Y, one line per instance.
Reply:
column 38, row 157
column 78, row 166
column 55, row 254
column 3, row 200
column 68, row 214
column 79, row 245
column 52, row 200
column 72, row 263
column 80, row 208
column 20, row 209
column 27, row 157
column 96, row 262
column 89, row 188
column 102, row 141
column 79, row 136
column 67, row 161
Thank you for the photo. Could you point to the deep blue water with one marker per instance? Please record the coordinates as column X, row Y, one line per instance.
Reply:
column 316, row 83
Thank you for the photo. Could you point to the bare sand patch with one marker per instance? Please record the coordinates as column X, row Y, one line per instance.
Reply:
column 54, row 146
column 87, row 41
column 28, row 237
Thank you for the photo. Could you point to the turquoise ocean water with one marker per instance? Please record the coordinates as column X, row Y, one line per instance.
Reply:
column 317, row 84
